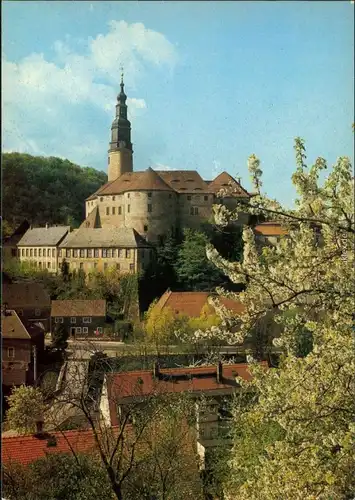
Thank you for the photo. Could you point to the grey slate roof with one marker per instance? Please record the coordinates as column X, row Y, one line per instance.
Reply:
column 41, row 236
column 104, row 238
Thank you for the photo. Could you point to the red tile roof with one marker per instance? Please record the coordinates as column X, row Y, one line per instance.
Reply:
column 26, row 449
column 270, row 229
column 173, row 380
column 135, row 181
column 227, row 182
column 184, row 181
column 191, row 303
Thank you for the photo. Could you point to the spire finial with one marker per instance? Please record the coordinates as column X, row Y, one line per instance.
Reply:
column 122, row 74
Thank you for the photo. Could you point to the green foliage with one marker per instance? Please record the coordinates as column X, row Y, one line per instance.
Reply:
column 26, row 407
column 194, row 271
column 46, row 190
column 60, row 336
column 58, row 475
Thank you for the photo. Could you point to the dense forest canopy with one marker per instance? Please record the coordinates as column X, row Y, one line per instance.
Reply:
column 45, row 190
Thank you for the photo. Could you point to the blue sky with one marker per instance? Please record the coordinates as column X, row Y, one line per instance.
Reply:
column 209, row 83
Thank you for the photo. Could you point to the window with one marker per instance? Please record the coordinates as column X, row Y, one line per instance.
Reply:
column 81, row 266
column 58, row 320
column 205, row 198
column 20, row 312
column 40, row 252
column 119, row 253
column 113, row 210
column 149, row 208
column 96, row 252
column 145, row 228
column 108, row 160
column 128, row 253
column 119, row 210
column 72, row 320
column 48, row 265
column 128, row 195
column 113, row 198
column 67, row 254
column 107, row 210
column 85, row 329
column 10, row 352
column 82, row 252
column 109, row 253
column 87, row 319
column 78, row 329
column 60, row 252
column 191, row 210
column 131, row 267
column 196, row 210
column 104, row 252
column 23, row 252
column 39, row 264
column 128, row 208
column 149, row 195
column 105, row 266
column 37, row 312
column 188, row 197
column 118, row 267
column 26, row 252
column 101, row 199
column 31, row 252
column 53, row 252
column 35, row 252
column 75, row 252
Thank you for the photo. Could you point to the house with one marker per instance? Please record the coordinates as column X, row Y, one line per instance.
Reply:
column 269, row 233
column 39, row 246
column 214, row 382
column 80, row 317
column 16, row 349
column 191, row 304
column 32, row 304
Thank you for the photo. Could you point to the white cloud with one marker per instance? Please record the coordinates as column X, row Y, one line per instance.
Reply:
column 44, row 99
column 160, row 166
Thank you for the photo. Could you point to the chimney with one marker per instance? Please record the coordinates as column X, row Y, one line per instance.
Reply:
column 39, row 427
column 238, row 179
column 156, row 370
column 219, row 372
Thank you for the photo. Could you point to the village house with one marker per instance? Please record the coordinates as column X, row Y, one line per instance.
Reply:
column 216, row 383
column 81, row 318
column 10, row 244
column 16, row 349
column 39, row 247
column 269, row 233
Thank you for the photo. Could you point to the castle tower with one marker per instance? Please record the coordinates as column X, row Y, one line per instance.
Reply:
column 120, row 153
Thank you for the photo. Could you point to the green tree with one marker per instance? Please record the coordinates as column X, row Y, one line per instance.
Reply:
column 26, row 407
column 58, row 475
column 60, row 336
column 303, row 415
column 193, row 269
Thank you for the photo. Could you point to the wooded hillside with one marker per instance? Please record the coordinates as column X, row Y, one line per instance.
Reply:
column 45, row 190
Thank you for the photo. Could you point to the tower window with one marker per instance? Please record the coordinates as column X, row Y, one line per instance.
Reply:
column 150, row 208
column 113, row 210
column 108, row 160
column 188, row 197
column 145, row 228
column 149, row 195
column 128, row 208
column 128, row 195
column 113, row 198
column 107, row 210
column 101, row 199
column 119, row 210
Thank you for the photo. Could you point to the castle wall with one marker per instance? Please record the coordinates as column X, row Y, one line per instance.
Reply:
column 195, row 209
column 112, row 210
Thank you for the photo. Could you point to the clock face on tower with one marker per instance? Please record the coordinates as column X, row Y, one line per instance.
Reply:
column 122, row 144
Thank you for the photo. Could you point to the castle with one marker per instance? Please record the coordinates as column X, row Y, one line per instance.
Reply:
column 134, row 210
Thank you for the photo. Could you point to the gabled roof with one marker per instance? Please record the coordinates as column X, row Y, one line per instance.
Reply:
column 93, row 219
column 67, row 308
column 20, row 295
column 184, row 181
column 191, row 303
column 200, row 380
column 12, row 327
column 27, row 449
column 17, row 234
column 44, row 236
column 270, row 229
column 105, row 237
column 227, row 182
